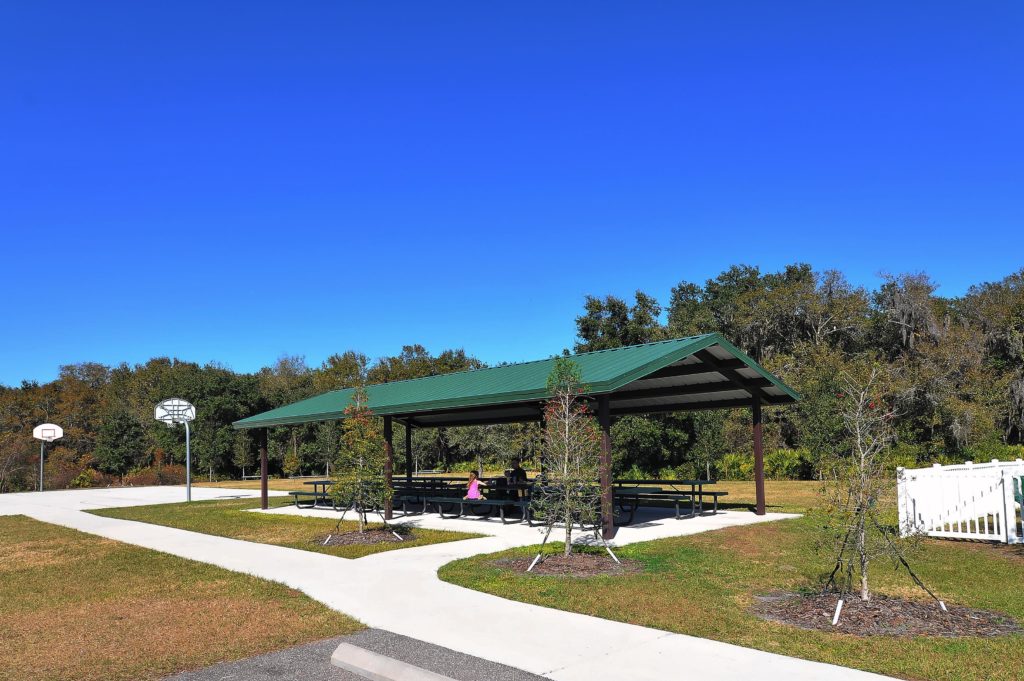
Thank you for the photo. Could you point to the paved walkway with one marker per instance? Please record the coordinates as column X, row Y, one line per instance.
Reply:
column 399, row 591
column 649, row 524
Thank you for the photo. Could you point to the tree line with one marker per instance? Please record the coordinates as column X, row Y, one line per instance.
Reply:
column 954, row 367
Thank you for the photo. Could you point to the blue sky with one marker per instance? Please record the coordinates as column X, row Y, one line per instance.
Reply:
column 237, row 181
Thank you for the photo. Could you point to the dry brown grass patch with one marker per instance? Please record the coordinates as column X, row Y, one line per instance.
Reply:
column 30, row 554
column 111, row 611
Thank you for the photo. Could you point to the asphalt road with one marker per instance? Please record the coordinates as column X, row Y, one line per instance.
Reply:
column 312, row 662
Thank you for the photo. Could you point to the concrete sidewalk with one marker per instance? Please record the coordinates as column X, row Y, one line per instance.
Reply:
column 399, row 591
column 649, row 524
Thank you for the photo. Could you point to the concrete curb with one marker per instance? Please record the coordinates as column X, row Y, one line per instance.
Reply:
column 377, row 667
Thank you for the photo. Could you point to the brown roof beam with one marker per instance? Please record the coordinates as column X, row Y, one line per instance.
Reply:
column 469, row 411
column 695, row 369
column 678, row 390
column 489, row 421
column 687, row 406
column 747, row 384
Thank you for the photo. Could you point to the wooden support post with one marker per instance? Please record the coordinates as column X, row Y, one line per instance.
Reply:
column 605, row 420
column 264, row 497
column 755, row 408
column 389, row 464
column 543, row 435
column 408, row 450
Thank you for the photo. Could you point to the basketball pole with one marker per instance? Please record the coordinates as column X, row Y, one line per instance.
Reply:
column 45, row 432
column 188, row 465
column 42, row 453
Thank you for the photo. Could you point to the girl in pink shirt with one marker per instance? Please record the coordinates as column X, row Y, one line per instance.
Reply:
column 473, row 488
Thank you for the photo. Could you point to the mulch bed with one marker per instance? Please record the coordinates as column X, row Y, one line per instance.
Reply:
column 574, row 565
column 882, row 616
column 354, row 537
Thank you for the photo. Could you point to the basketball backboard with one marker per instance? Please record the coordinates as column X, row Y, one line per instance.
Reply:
column 48, row 432
column 174, row 410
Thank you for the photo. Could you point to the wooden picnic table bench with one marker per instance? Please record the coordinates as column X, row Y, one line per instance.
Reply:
column 450, row 498
column 696, row 500
column 694, row 485
column 636, row 492
column 406, row 493
column 320, row 485
column 313, row 497
column 500, row 504
column 438, row 478
column 317, row 496
column 628, row 499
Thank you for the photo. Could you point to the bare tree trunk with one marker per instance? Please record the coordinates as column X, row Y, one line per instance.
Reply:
column 359, row 497
column 862, row 551
column 446, row 455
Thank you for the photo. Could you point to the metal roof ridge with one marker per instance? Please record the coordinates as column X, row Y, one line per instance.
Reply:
column 532, row 361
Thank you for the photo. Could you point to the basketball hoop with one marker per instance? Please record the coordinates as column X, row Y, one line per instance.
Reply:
column 176, row 410
column 47, row 432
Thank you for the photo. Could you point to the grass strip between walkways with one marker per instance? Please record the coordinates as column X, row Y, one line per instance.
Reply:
column 77, row 606
column 704, row 585
column 231, row 518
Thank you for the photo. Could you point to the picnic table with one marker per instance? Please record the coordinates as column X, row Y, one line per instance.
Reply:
column 439, row 478
column 510, row 489
column 419, row 490
column 318, row 495
column 635, row 492
column 489, row 505
column 447, row 494
column 640, row 490
column 317, row 484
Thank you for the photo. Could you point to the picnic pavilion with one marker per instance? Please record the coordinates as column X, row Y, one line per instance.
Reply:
column 683, row 374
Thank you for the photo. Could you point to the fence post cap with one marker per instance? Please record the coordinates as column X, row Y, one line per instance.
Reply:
column 936, row 465
column 995, row 460
column 968, row 463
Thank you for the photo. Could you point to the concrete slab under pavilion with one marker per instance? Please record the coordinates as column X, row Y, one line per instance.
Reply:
column 651, row 523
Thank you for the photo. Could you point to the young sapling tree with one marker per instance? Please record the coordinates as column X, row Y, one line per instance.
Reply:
column 858, row 491
column 359, row 481
column 570, row 493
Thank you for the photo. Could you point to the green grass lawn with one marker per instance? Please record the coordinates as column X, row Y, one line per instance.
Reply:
column 703, row 584
column 230, row 518
column 76, row 606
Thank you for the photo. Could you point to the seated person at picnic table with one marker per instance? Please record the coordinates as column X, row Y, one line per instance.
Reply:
column 517, row 474
column 473, row 488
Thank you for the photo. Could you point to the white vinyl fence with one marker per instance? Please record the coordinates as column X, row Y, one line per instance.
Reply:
column 962, row 501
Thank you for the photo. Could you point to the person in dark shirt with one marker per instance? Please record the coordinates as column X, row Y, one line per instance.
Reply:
column 517, row 475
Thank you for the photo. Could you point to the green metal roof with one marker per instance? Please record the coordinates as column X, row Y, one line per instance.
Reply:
column 494, row 392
